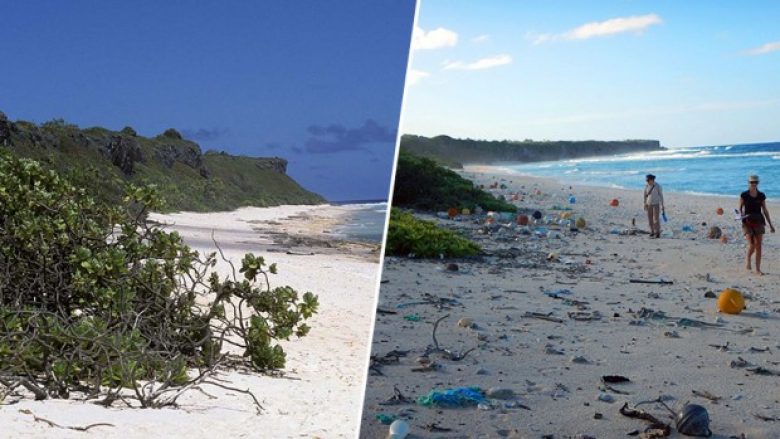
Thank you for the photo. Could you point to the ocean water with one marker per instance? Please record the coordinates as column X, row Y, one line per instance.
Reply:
column 712, row 170
column 364, row 222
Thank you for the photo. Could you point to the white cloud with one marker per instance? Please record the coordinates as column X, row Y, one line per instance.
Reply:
column 635, row 24
column 415, row 76
column 480, row 64
column 764, row 49
column 481, row 39
column 435, row 39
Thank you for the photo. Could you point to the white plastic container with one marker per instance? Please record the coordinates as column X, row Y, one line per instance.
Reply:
column 399, row 429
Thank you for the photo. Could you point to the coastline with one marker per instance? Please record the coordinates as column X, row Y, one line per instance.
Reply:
column 496, row 170
column 318, row 393
column 671, row 349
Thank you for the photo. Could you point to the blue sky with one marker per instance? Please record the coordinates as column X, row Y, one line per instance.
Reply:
column 686, row 73
column 319, row 83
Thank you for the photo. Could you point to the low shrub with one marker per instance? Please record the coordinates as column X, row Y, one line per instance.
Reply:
column 93, row 298
column 407, row 235
column 421, row 183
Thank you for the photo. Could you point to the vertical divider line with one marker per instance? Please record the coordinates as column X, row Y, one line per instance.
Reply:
column 391, row 186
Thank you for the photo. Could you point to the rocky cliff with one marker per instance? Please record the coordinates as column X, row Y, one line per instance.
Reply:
column 189, row 179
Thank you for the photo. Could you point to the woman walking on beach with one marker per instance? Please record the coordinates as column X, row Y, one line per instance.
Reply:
column 752, row 209
column 654, row 205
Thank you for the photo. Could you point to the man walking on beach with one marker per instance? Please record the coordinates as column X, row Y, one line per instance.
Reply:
column 654, row 205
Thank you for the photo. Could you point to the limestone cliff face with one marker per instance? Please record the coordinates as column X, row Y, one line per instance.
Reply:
column 124, row 152
column 276, row 164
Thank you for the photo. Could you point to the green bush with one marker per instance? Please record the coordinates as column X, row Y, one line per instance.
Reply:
column 420, row 183
column 407, row 235
column 171, row 133
column 92, row 297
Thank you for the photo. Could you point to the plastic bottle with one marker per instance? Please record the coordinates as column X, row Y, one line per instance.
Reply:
column 399, row 429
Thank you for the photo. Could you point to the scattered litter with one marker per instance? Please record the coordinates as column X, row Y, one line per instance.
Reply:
column 606, row 397
column 579, row 359
column 585, row 316
column 399, row 429
column 644, row 281
column 549, row 350
column 466, row 323
column 707, row 395
column 766, row 418
column 412, row 317
column 615, row 379
column 557, row 293
column 450, row 398
column 385, row 418
column 430, row 299
column 397, row 398
column 693, row 420
column 537, row 315
column 500, row 393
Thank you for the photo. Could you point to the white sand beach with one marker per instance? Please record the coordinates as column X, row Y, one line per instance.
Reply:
column 319, row 395
column 551, row 316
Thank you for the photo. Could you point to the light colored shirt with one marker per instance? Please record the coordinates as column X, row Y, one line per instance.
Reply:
column 653, row 195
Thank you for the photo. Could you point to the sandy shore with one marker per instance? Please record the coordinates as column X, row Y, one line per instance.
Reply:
column 594, row 322
column 320, row 394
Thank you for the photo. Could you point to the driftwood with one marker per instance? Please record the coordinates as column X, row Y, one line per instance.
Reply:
column 449, row 354
column 656, row 429
column 705, row 394
column 376, row 362
column 542, row 316
column 644, row 281
column 68, row 427
column 397, row 398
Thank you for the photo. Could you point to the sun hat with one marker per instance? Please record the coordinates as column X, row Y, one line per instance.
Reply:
column 753, row 178
column 649, row 177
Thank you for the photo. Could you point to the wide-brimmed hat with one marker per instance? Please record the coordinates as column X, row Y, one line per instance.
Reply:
column 649, row 177
column 753, row 178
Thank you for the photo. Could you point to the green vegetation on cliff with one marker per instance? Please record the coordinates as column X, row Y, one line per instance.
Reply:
column 103, row 161
column 456, row 152
column 421, row 183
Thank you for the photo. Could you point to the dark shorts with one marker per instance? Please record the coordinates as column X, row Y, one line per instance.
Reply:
column 753, row 230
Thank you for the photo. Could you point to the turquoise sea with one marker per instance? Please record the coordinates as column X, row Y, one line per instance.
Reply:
column 365, row 222
column 713, row 170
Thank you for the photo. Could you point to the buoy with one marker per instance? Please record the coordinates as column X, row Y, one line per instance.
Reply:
column 572, row 199
column 465, row 211
column 719, row 211
column 452, row 212
column 537, row 215
column 522, row 220
column 693, row 420
column 614, row 202
column 730, row 301
column 580, row 223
